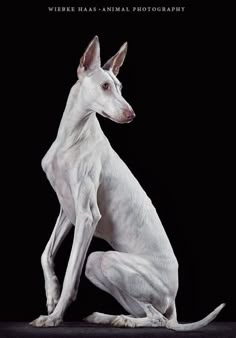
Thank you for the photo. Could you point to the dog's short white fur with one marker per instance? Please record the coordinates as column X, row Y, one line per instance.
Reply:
column 99, row 196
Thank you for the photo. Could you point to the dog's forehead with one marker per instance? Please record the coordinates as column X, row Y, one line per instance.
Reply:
column 106, row 75
column 113, row 77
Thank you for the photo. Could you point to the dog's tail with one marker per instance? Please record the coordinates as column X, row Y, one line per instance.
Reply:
column 196, row 325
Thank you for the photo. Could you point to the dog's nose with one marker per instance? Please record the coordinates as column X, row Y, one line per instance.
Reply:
column 129, row 114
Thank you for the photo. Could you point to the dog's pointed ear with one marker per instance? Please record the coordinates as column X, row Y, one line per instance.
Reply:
column 91, row 57
column 117, row 60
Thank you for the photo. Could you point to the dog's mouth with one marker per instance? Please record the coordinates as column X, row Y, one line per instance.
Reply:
column 127, row 120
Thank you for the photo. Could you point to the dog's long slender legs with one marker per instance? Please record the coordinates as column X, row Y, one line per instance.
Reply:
column 82, row 238
column 52, row 287
column 87, row 219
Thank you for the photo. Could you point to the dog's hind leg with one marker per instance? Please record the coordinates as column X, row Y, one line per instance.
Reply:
column 95, row 274
column 133, row 281
column 52, row 287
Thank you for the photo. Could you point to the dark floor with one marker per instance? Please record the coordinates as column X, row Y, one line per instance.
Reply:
column 80, row 330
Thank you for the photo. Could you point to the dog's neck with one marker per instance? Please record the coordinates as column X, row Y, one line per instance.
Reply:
column 78, row 122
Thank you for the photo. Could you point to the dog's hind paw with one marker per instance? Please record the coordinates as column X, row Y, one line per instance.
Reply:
column 123, row 321
column 46, row 321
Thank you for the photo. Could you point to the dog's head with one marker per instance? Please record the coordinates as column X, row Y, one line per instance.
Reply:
column 99, row 86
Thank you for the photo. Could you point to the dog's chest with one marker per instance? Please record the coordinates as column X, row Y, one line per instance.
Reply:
column 67, row 169
column 55, row 165
column 58, row 167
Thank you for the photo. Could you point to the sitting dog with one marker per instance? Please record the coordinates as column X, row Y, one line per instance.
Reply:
column 100, row 197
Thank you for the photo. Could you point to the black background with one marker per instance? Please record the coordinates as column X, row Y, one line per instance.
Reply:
column 180, row 147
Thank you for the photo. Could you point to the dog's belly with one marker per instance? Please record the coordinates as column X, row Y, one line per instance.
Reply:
column 129, row 221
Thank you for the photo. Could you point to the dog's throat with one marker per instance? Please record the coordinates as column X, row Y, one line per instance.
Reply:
column 105, row 114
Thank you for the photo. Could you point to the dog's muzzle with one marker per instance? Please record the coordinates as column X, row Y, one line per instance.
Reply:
column 129, row 115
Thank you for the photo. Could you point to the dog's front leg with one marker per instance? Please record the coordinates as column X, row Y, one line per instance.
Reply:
column 86, row 223
column 52, row 287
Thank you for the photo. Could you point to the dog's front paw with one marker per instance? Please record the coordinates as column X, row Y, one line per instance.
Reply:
column 46, row 321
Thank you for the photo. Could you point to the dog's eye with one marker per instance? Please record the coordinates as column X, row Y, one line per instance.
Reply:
column 105, row 86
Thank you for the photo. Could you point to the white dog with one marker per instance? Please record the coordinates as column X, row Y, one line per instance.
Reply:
column 99, row 196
